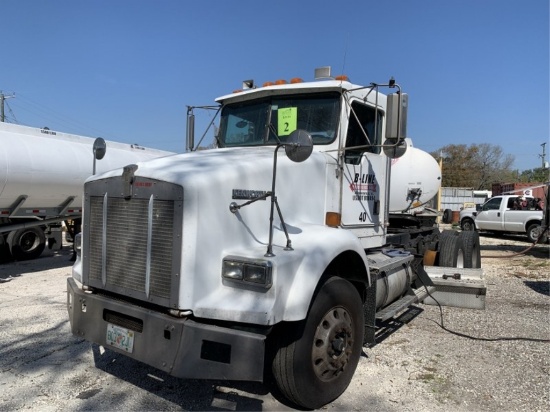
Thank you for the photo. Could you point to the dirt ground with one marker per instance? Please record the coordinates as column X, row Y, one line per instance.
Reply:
column 485, row 360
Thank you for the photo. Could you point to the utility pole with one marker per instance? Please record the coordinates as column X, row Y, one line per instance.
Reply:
column 3, row 97
column 543, row 155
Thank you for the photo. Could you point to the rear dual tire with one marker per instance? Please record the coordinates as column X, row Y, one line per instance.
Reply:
column 534, row 232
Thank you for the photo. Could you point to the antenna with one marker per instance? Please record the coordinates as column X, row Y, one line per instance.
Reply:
column 345, row 55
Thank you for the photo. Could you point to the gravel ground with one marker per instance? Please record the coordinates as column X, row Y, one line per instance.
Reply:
column 502, row 363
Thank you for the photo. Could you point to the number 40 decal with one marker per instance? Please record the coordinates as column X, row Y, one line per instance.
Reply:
column 363, row 216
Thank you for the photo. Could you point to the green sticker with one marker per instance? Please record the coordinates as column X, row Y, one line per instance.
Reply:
column 288, row 120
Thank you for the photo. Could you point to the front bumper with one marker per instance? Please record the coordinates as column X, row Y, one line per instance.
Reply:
column 181, row 347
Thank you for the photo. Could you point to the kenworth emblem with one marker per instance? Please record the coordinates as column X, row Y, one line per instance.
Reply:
column 244, row 194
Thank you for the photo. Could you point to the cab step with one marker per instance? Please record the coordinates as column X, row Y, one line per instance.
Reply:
column 414, row 296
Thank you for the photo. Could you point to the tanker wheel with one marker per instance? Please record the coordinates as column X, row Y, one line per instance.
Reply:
column 316, row 359
column 472, row 251
column 26, row 244
column 451, row 250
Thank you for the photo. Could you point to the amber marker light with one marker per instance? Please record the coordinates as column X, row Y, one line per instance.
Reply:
column 268, row 84
column 295, row 80
column 333, row 219
column 280, row 81
column 342, row 77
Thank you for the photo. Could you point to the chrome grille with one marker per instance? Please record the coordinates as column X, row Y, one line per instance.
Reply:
column 130, row 246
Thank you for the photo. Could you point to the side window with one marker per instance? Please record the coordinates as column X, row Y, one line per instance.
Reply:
column 363, row 130
column 493, row 204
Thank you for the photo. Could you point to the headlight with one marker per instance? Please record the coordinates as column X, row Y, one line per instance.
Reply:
column 247, row 271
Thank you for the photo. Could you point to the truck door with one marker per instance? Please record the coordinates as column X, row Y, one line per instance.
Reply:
column 490, row 217
column 364, row 179
column 514, row 215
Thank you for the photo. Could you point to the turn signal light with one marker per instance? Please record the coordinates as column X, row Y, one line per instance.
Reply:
column 333, row 219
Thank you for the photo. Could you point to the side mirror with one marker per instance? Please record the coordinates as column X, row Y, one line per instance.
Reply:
column 100, row 147
column 190, row 132
column 394, row 148
column 396, row 115
column 298, row 146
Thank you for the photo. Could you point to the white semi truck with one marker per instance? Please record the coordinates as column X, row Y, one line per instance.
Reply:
column 276, row 253
column 42, row 173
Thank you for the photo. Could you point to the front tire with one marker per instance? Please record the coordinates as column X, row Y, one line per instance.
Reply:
column 316, row 359
column 467, row 225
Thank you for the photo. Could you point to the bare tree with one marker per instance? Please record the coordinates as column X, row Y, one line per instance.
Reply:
column 476, row 166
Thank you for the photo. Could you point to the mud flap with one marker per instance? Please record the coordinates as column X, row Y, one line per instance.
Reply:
column 457, row 287
column 369, row 314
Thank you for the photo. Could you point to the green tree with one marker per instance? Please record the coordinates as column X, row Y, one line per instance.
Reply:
column 538, row 174
column 477, row 166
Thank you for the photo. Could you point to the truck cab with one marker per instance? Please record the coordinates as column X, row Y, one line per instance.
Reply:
column 273, row 252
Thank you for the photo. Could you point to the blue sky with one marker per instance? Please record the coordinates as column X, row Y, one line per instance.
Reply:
column 477, row 71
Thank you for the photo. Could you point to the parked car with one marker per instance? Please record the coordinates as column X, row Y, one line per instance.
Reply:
column 508, row 213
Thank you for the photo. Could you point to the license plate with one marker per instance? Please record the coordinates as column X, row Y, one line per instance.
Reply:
column 120, row 338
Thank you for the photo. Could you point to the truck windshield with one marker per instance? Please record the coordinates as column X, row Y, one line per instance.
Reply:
column 268, row 121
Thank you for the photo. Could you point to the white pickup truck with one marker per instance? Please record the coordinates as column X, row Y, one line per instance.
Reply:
column 508, row 213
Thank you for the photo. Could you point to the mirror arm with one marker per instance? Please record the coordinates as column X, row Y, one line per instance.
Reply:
column 269, row 252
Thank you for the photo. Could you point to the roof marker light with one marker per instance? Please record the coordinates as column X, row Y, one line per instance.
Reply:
column 268, row 84
column 295, row 80
column 280, row 81
column 342, row 77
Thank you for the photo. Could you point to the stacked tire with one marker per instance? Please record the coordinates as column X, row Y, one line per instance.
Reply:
column 459, row 249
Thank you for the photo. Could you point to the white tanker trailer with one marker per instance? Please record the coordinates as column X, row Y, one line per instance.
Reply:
column 42, row 173
column 415, row 180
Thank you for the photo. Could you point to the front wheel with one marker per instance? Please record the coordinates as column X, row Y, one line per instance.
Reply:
column 467, row 225
column 316, row 359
